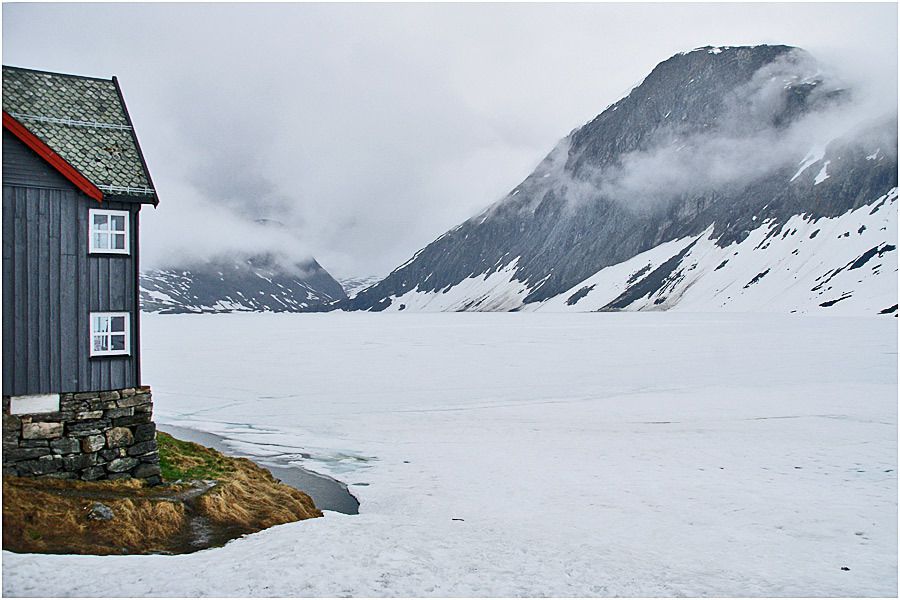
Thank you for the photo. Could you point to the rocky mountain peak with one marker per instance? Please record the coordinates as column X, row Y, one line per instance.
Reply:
column 718, row 136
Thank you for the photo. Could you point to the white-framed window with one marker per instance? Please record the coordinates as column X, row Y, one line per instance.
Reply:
column 110, row 333
column 108, row 231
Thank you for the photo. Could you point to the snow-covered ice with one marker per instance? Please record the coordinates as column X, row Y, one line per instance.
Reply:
column 649, row 454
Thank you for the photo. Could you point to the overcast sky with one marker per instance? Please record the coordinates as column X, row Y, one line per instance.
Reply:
column 371, row 129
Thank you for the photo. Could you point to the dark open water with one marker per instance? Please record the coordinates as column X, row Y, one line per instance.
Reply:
column 327, row 493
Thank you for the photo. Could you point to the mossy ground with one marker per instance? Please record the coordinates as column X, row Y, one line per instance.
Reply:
column 186, row 460
column 50, row 515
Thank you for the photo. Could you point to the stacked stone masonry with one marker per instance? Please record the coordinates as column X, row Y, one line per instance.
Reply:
column 94, row 435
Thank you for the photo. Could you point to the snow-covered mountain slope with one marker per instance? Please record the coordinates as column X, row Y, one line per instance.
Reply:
column 715, row 143
column 354, row 285
column 495, row 291
column 258, row 283
column 845, row 265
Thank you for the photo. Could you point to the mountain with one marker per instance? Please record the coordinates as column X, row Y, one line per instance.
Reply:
column 256, row 283
column 718, row 183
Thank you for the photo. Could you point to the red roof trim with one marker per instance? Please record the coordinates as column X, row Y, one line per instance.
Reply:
column 55, row 160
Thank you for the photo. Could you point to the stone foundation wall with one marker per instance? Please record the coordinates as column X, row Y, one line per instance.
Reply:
column 94, row 435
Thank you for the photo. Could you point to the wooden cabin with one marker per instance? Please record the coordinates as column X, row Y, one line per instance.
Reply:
column 74, row 183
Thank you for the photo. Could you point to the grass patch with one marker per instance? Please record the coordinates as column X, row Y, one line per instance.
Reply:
column 183, row 460
column 50, row 515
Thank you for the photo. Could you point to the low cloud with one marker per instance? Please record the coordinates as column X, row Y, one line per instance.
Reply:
column 756, row 135
column 208, row 232
column 371, row 129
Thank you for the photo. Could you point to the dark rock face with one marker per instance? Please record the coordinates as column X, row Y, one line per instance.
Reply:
column 716, row 135
column 258, row 283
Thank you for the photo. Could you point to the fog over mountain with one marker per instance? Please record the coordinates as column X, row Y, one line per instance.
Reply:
column 719, row 144
column 248, row 278
column 368, row 130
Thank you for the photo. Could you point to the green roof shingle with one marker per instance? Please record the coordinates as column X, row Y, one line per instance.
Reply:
column 84, row 121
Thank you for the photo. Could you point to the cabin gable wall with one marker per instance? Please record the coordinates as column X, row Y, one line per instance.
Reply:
column 51, row 283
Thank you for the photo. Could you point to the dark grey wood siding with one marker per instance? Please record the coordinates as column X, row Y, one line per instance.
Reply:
column 51, row 284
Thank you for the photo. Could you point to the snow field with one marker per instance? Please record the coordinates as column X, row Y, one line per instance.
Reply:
column 636, row 454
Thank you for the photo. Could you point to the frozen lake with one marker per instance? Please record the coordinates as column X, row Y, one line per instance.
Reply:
column 654, row 454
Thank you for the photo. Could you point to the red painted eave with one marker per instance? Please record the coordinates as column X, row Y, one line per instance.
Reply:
column 55, row 160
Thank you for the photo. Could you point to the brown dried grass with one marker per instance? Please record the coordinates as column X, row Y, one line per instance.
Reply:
column 50, row 515
column 54, row 519
column 252, row 499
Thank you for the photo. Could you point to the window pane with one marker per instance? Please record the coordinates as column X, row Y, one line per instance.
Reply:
column 118, row 324
column 101, row 241
column 118, row 241
column 101, row 222
column 118, row 342
column 100, row 343
column 118, row 222
column 101, row 324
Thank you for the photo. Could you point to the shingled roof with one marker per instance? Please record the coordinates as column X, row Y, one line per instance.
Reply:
column 85, row 121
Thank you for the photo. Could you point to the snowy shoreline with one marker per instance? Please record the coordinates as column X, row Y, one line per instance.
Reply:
column 328, row 493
